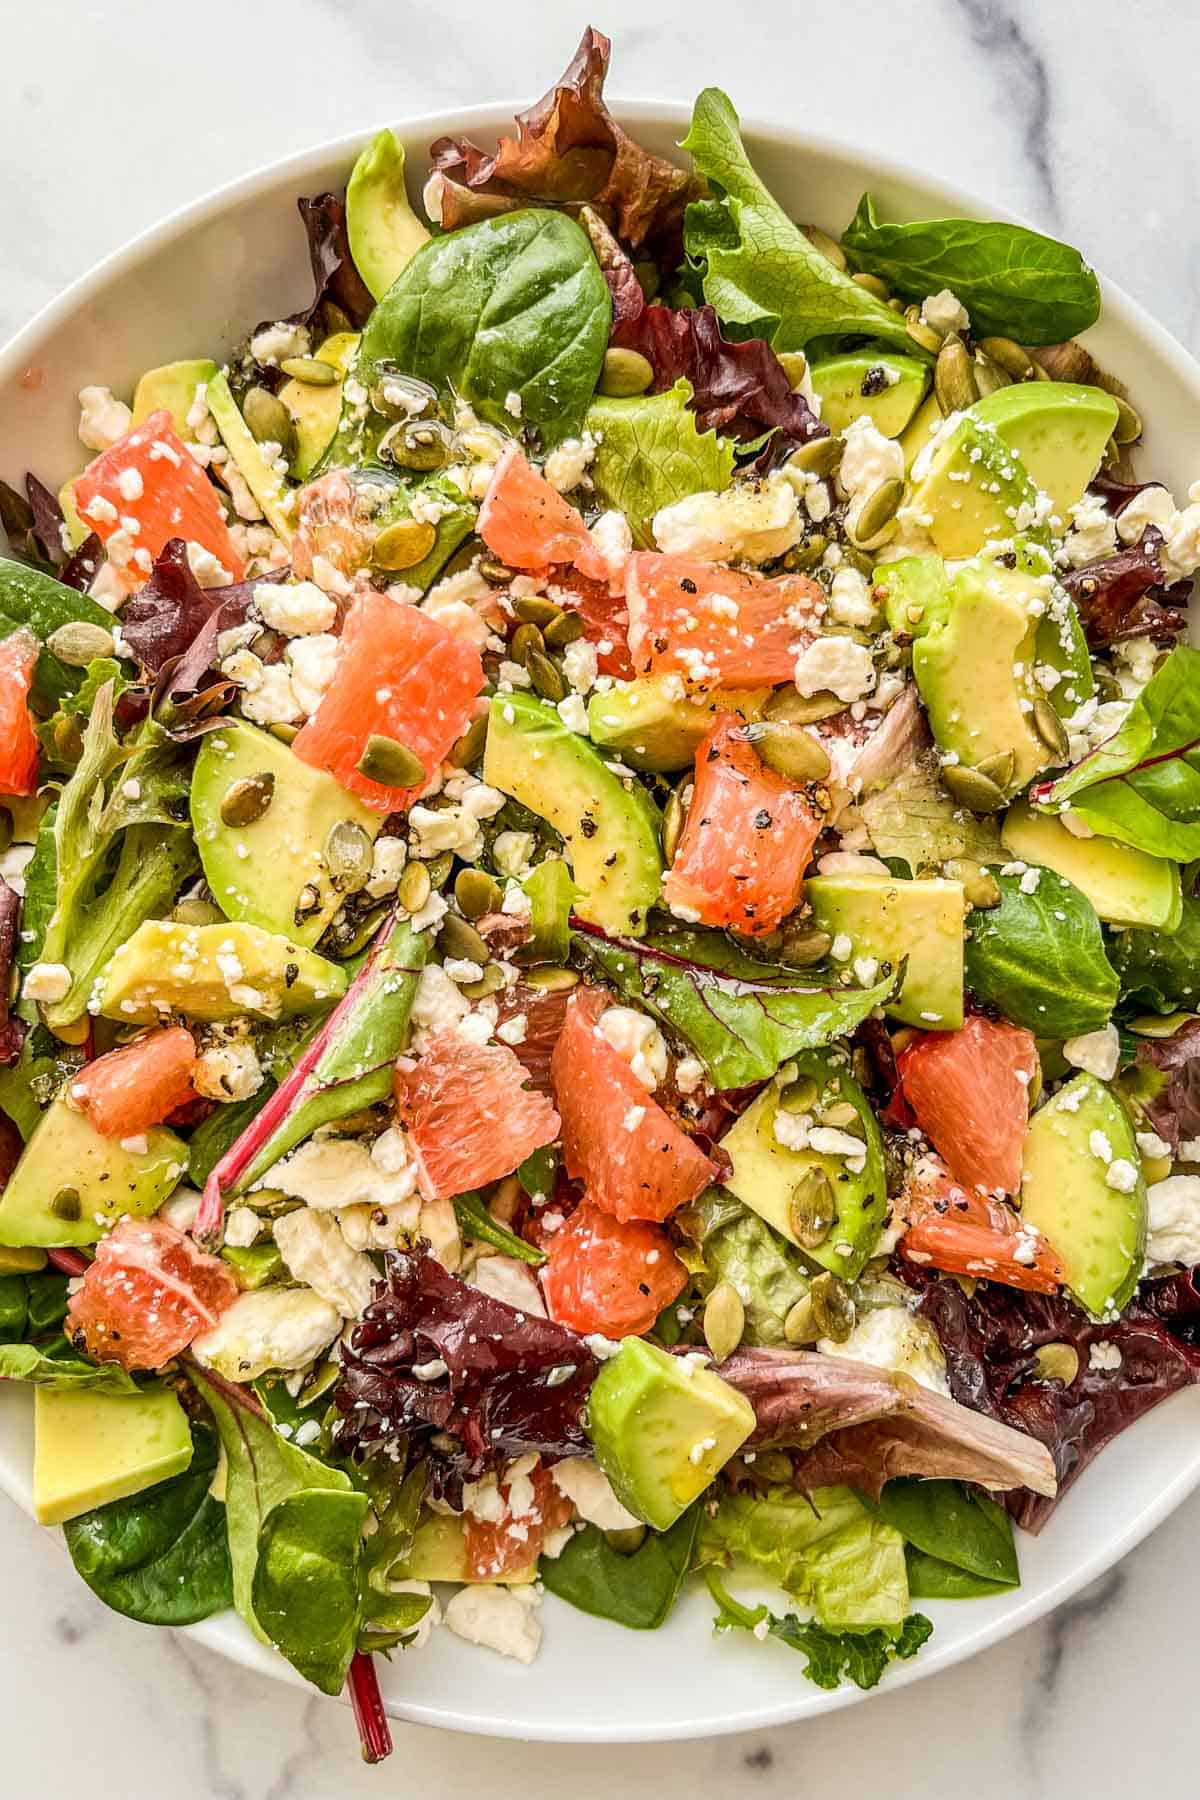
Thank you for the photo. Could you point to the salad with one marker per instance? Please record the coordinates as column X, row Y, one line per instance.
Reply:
column 599, row 900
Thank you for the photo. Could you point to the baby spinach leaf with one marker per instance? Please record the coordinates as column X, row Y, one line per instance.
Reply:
column 741, row 1029
column 160, row 1556
column 1040, row 957
column 512, row 305
column 757, row 268
column 55, row 1365
column 305, row 1585
column 833, row 1656
column 638, row 1591
column 46, row 1301
column 1013, row 282
column 1142, row 786
column 32, row 599
column 650, row 453
column 958, row 1525
column 14, row 1308
column 929, row 1578
column 476, row 1221
column 1160, row 970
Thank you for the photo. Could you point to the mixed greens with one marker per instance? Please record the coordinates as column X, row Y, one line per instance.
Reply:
column 599, row 922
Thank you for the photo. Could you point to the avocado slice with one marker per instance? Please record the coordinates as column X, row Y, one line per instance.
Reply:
column 609, row 825
column 766, row 1172
column 173, row 387
column 384, row 231
column 91, row 1447
column 893, row 920
column 662, row 1428
column 16, row 1261
column 984, row 474
column 77, row 531
column 316, row 410
column 268, row 488
column 1126, row 886
column 650, row 725
column 439, row 1553
column 72, row 1184
column 1067, row 1192
column 925, row 421
column 214, row 972
column 267, row 873
column 886, row 387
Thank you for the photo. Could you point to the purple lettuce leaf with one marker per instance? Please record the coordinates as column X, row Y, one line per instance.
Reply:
column 1173, row 1105
column 1125, row 595
column 334, row 273
column 172, row 625
column 12, row 1029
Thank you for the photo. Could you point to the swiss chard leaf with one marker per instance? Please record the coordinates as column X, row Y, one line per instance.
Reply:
column 160, row 1556
column 36, row 600
column 1160, row 970
column 958, row 1525
column 476, row 1221
column 1142, row 786
column 860, row 1656
column 650, row 453
column 741, row 1028
column 1014, row 282
column 55, row 1365
column 638, row 1591
column 1040, row 957
column 757, row 268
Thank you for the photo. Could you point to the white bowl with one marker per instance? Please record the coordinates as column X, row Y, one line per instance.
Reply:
column 192, row 287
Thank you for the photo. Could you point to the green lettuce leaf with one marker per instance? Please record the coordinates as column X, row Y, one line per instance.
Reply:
column 914, row 818
column 474, row 1220
column 758, row 269
column 833, row 1657
column 1160, row 971
column 1013, row 282
column 1040, row 958
column 1142, row 786
column 55, row 1365
column 638, row 1591
column 649, row 453
column 733, row 1244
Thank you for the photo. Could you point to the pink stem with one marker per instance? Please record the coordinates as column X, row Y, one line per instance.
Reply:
column 367, row 1701
column 68, row 1262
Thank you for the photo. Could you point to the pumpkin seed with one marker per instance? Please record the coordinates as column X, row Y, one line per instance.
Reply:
column 310, row 370
column 476, row 893
column 872, row 285
column 286, row 734
column 439, row 868
column 78, row 643
column 336, row 321
column 67, row 1205
column 496, row 574
column 988, row 378
column 469, row 747
column 808, row 554
column 459, row 938
column 1154, row 1168
column 533, row 610
column 820, row 456
column 625, row 373
column 792, row 753
column 490, row 982
column 999, row 768
column 1128, row 428
column 1056, row 1362
column 804, row 947
column 834, row 1311
column 800, row 1327
column 802, row 709
column 842, row 1116
column 390, row 762
column 526, row 639
column 724, row 1320
column 564, row 631
column 799, row 1095
column 402, row 397
column 1052, row 731
column 414, row 887
column 348, row 854
column 547, row 677
column 811, row 1209
column 878, row 509
column 417, row 444
column 794, row 364
column 829, row 247
column 920, row 332
column 404, row 544
column 674, row 819
column 68, row 739
column 982, row 891
column 6, row 828
column 977, row 792
column 268, row 420
column 196, row 912
column 1008, row 355
column 245, row 801
column 552, row 980
column 953, row 378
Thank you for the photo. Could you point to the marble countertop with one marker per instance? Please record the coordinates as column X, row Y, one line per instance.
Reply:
column 1074, row 114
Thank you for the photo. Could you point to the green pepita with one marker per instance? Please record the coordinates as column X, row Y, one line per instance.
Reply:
column 402, row 397
column 496, row 574
column 724, row 1320
column 1056, row 1362
column 403, row 545
column 953, row 377
column 286, row 734
column 1008, row 355
column 920, row 332
column 979, row 793
column 476, row 893
column 547, row 677
column 999, row 767
column 872, row 285
column 196, row 912
column 878, row 509
column 802, row 709
column 820, row 456
column 469, row 747
column 490, row 982
column 811, row 1210
column 420, row 444
column 391, row 763
column 563, row 631
column 268, row 420
column 834, row 1311
column 552, row 980
column 789, row 750
column 625, row 373
column 808, row 554
column 78, row 643
column 67, row 1205
column 843, row 1116
column 799, row 1095
column 439, row 868
column 414, row 887
column 348, row 854
column 246, row 801
column 674, row 820
column 526, row 639
column 989, row 378
column 805, row 946
column 800, row 1326
column 829, row 247
column 310, row 370
column 531, row 609
column 459, row 938
column 794, row 364
column 1052, row 731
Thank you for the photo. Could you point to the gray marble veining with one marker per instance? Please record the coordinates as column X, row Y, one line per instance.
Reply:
column 1080, row 114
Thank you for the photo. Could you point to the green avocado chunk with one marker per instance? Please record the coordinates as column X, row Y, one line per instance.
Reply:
column 384, row 231
column 768, row 1172
column 273, row 871
column 72, row 1184
column 215, row 972
column 173, row 387
column 891, row 919
column 885, row 387
column 1082, row 1186
column 650, row 725
column 610, row 827
column 439, row 1553
column 315, row 409
column 1126, row 886
column 90, row 1448
column 268, row 487
column 662, row 1427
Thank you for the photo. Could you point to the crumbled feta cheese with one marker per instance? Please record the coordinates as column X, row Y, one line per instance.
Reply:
column 638, row 1041
column 1104, row 1356
column 295, row 608
column 511, row 851
column 276, row 343
column 272, row 699
column 13, row 863
column 437, row 1005
column 792, row 1129
column 1153, row 506
column 851, row 600
column 1121, row 1175
column 841, row 948
column 387, row 865
column 944, row 312
column 102, row 419
column 1099, row 1052
column 514, row 1030
column 242, row 1226
column 328, row 1173
column 316, row 1253
column 838, row 664
column 580, row 667
column 268, row 1328
column 827, row 1140
column 689, row 1073
column 1174, row 1207
column 869, row 460
column 612, row 537
column 589, row 1490
column 1133, row 664
column 1093, row 532
column 228, row 1071
column 574, row 714
column 567, row 464
column 1151, row 1145
column 507, row 1279
column 47, row 982
column 743, row 524
column 207, row 569
column 312, row 663
column 499, row 1618
column 890, row 1337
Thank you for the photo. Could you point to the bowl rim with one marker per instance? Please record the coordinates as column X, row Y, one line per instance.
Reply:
column 485, row 118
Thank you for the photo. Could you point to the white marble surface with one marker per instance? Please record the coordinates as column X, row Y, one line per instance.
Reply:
column 1080, row 114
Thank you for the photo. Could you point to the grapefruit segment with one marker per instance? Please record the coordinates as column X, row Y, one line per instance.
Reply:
column 145, row 490
column 716, row 627
column 469, row 1116
column 400, row 675
column 962, row 1233
column 610, row 1275
column 528, row 525
column 632, row 1158
column 18, row 740
column 495, row 1547
column 969, row 1092
column 139, row 1085
column 748, row 838
column 147, row 1295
